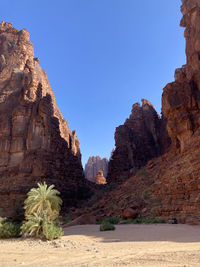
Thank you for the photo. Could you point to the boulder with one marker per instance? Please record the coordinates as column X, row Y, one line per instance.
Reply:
column 100, row 179
column 129, row 214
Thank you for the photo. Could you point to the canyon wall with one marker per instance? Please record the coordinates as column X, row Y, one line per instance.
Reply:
column 168, row 186
column 179, row 184
column 142, row 137
column 36, row 143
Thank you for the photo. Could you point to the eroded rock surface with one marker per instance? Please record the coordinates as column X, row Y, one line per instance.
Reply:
column 36, row 143
column 181, row 99
column 169, row 186
column 142, row 137
column 100, row 179
column 94, row 165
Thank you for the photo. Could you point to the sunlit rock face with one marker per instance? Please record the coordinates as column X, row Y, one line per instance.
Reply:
column 95, row 164
column 167, row 186
column 36, row 143
column 100, row 179
column 181, row 99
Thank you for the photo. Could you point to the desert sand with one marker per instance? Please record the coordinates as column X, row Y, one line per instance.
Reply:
column 129, row 245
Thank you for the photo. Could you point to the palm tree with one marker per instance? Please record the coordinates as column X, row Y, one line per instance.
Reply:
column 43, row 199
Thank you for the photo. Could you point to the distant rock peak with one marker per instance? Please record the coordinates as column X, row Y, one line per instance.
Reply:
column 95, row 164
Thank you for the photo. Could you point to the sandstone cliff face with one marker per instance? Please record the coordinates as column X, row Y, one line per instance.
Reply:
column 36, row 143
column 141, row 138
column 100, row 179
column 181, row 106
column 95, row 164
column 169, row 186
column 181, row 99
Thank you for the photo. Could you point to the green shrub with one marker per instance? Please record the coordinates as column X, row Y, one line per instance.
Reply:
column 34, row 225
column 9, row 230
column 144, row 220
column 52, row 231
column 106, row 226
column 42, row 226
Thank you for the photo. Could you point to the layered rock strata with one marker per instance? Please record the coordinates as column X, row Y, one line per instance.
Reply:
column 94, row 165
column 169, row 186
column 36, row 143
column 142, row 137
column 179, row 187
column 181, row 99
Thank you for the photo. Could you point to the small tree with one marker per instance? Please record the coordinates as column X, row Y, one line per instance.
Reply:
column 43, row 198
column 42, row 208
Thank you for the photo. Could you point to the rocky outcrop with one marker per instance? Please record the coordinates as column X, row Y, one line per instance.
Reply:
column 181, row 99
column 100, row 179
column 169, row 186
column 142, row 137
column 94, row 165
column 179, row 186
column 36, row 143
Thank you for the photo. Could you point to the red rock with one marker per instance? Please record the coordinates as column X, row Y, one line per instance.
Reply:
column 129, row 214
column 36, row 143
column 100, row 179
column 94, row 165
column 142, row 137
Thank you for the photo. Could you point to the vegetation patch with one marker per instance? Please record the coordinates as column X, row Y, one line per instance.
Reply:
column 144, row 221
column 42, row 209
column 106, row 226
column 8, row 229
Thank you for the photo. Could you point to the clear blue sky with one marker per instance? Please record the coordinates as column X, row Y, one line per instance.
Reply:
column 101, row 56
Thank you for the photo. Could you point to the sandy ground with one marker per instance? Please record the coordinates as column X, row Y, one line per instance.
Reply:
column 129, row 245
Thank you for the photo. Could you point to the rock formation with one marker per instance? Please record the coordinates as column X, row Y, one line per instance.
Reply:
column 141, row 138
column 169, row 186
column 36, row 143
column 179, row 185
column 95, row 164
column 100, row 179
column 181, row 99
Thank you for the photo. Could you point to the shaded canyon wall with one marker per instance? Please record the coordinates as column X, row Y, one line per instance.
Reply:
column 36, row 143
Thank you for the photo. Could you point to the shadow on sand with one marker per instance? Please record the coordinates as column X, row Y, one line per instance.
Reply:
column 179, row 233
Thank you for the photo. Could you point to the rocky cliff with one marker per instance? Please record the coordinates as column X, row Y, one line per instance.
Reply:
column 179, row 186
column 36, row 143
column 94, row 165
column 100, row 179
column 169, row 186
column 142, row 137
column 181, row 99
